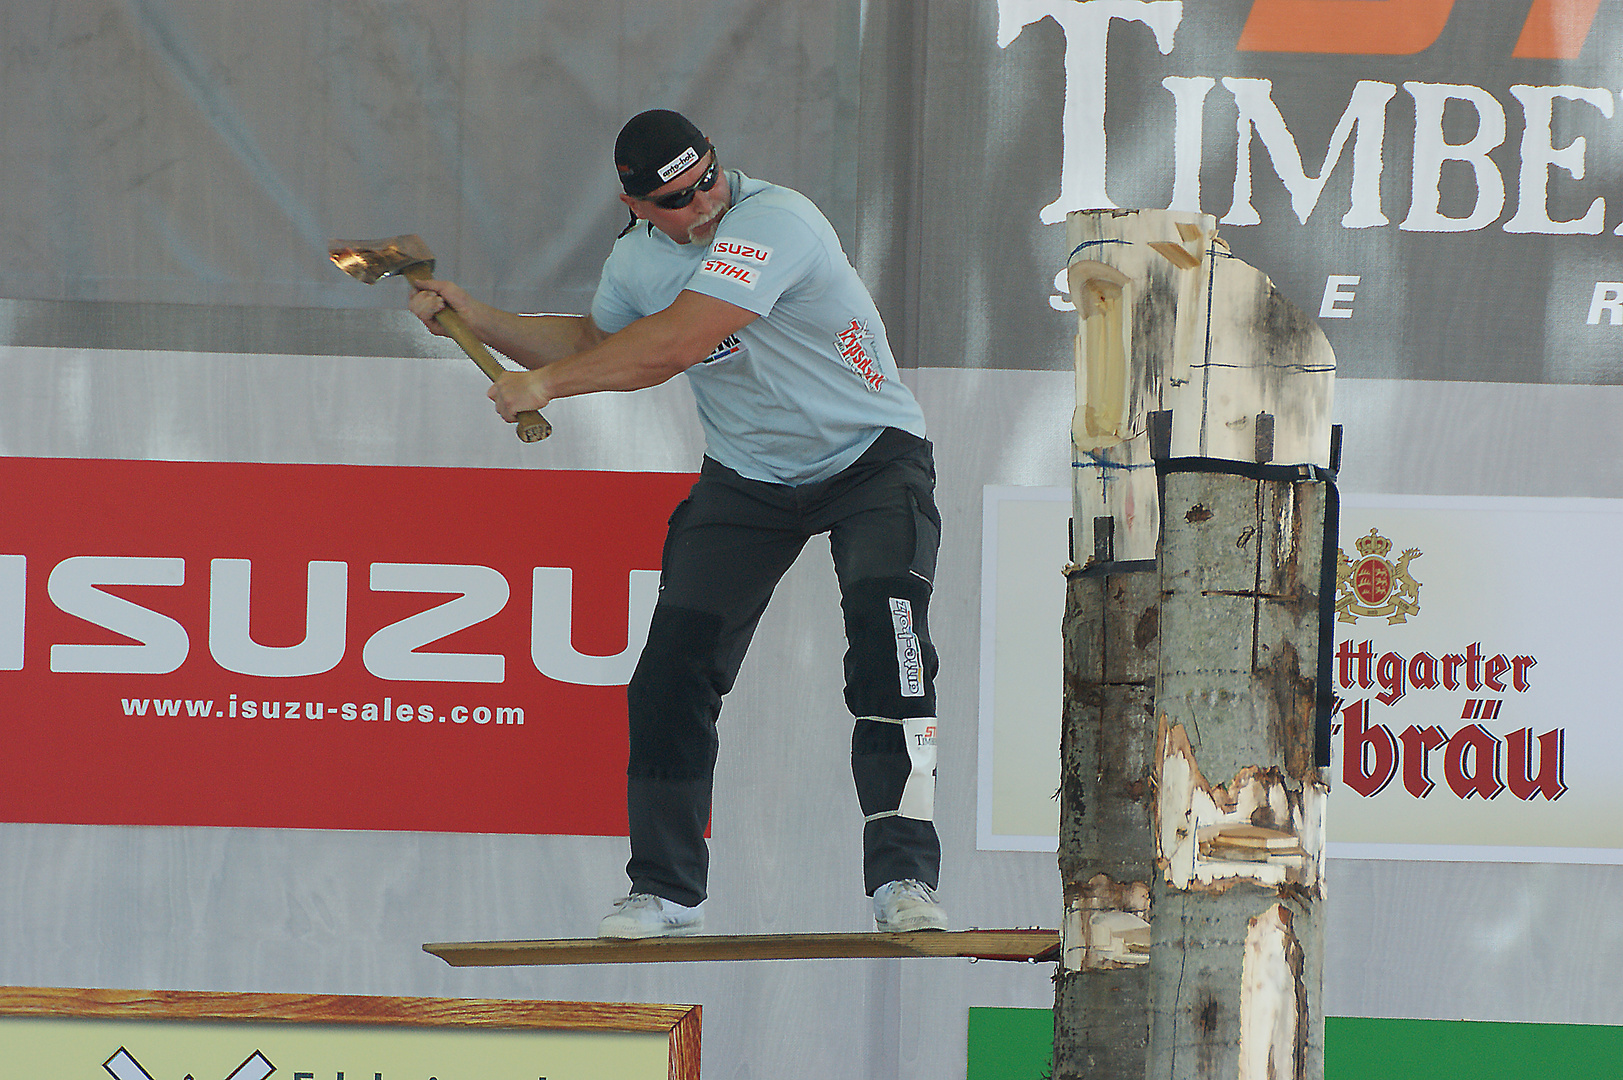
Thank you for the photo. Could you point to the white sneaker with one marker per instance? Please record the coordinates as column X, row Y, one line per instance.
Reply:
column 907, row 905
column 643, row 915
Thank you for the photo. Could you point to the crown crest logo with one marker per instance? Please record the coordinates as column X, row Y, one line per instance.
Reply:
column 1373, row 586
column 1374, row 544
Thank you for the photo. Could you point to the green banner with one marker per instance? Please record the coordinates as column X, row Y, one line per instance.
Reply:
column 1010, row 1044
column 1017, row 1044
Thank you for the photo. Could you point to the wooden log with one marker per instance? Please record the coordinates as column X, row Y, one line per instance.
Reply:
column 1107, row 853
column 1240, row 803
column 1192, row 809
column 1170, row 320
column 1138, row 278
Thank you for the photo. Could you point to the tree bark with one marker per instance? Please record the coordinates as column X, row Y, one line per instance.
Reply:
column 1107, row 852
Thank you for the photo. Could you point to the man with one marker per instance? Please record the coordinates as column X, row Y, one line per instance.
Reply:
column 743, row 286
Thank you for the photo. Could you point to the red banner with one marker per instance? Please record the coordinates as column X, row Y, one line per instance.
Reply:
column 322, row 646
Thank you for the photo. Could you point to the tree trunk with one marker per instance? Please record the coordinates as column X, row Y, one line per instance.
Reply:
column 1191, row 801
column 1237, row 939
column 1107, row 853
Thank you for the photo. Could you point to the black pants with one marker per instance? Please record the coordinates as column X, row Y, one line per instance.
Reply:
column 729, row 543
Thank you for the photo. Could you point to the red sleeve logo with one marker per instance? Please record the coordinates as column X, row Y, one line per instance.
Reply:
column 851, row 344
column 730, row 271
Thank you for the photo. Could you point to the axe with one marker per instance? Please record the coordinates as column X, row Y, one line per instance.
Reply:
column 373, row 260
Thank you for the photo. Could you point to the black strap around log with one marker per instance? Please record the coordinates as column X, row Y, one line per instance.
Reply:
column 1289, row 474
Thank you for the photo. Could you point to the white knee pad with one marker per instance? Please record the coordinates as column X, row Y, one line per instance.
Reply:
column 918, row 790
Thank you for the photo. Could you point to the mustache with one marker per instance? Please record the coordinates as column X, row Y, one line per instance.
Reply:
column 713, row 215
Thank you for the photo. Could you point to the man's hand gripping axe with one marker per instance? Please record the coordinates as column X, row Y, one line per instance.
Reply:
column 373, row 260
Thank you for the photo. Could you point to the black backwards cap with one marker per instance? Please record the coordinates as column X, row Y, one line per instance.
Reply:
column 655, row 148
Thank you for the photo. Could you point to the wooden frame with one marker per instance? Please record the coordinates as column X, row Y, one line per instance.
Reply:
column 680, row 1022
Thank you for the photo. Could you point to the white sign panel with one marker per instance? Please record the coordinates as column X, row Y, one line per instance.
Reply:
column 1475, row 720
column 1024, row 550
column 1472, row 645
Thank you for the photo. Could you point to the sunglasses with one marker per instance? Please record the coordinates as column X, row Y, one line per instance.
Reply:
column 675, row 200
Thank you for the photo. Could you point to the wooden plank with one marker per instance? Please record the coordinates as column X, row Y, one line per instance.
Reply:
column 1027, row 945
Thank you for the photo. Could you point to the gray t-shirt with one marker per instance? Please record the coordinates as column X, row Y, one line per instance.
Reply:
column 801, row 392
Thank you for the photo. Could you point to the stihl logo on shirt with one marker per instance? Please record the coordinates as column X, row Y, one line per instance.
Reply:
column 852, row 346
column 748, row 252
column 731, row 271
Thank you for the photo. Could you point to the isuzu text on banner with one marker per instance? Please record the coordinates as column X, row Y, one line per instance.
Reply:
column 322, row 646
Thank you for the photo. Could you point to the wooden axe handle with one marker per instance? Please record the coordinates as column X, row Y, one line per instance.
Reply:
column 532, row 426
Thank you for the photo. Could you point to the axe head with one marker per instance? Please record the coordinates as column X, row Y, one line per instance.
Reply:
column 373, row 260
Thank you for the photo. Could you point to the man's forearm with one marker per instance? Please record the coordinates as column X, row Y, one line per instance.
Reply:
column 644, row 354
column 536, row 340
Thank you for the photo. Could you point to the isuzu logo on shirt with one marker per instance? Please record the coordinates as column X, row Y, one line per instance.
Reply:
column 737, row 250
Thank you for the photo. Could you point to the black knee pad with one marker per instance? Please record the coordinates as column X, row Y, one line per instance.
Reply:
column 673, row 698
column 890, row 665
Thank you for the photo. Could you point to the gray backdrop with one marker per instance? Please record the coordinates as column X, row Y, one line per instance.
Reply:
column 172, row 171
